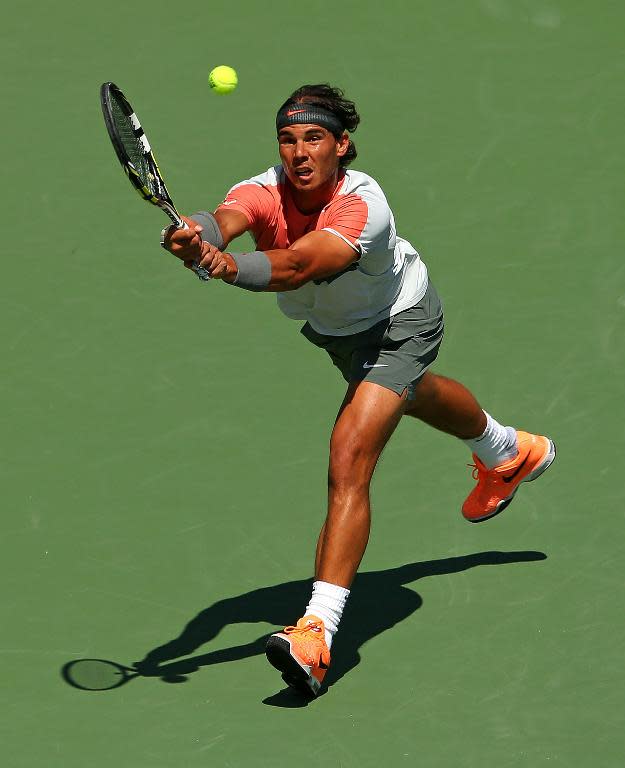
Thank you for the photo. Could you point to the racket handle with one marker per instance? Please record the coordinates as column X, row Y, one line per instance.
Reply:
column 199, row 271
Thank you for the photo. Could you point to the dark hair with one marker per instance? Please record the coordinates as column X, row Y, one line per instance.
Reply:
column 333, row 100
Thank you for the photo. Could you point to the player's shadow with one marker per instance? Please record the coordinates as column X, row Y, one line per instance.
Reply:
column 378, row 601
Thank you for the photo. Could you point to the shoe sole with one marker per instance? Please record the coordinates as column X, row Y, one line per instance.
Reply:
column 537, row 472
column 294, row 673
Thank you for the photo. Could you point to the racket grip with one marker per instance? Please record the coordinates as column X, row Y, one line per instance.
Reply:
column 201, row 272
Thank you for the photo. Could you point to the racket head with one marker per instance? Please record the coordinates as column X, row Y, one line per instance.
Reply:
column 96, row 674
column 133, row 149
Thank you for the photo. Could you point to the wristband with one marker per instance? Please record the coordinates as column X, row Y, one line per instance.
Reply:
column 254, row 270
column 210, row 229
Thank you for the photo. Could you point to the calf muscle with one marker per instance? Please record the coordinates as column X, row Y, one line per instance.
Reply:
column 447, row 405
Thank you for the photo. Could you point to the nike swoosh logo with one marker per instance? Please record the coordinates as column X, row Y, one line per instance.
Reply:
column 295, row 112
column 517, row 470
column 375, row 365
column 229, row 202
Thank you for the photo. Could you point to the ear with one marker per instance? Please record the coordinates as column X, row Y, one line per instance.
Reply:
column 342, row 145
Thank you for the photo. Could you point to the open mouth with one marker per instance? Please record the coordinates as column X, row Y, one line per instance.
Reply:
column 303, row 173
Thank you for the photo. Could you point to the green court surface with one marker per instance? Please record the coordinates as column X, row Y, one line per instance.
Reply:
column 165, row 442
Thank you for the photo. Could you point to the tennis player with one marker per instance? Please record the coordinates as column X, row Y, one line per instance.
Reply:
column 326, row 244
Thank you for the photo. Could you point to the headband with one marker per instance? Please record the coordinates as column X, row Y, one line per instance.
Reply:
column 300, row 112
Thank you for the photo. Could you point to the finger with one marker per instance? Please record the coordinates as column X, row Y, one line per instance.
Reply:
column 193, row 225
column 187, row 250
column 209, row 255
column 208, row 262
column 183, row 236
column 219, row 269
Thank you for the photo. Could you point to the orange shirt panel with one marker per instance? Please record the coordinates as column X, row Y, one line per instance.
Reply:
column 347, row 215
column 277, row 223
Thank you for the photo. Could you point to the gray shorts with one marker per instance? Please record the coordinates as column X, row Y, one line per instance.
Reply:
column 394, row 353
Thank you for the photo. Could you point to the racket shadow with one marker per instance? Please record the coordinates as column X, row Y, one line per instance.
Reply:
column 379, row 600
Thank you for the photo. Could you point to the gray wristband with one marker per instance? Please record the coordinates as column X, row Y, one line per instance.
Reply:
column 210, row 229
column 254, row 270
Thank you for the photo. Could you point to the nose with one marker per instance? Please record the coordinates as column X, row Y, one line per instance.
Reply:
column 300, row 152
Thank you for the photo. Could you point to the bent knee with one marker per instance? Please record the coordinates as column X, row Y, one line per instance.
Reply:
column 351, row 463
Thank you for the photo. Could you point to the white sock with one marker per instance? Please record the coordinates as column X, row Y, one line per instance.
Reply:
column 327, row 602
column 496, row 445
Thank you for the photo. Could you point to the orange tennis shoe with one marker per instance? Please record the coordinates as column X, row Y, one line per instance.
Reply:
column 496, row 487
column 301, row 654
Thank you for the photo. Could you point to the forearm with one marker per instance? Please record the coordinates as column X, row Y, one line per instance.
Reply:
column 231, row 224
column 285, row 271
column 315, row 256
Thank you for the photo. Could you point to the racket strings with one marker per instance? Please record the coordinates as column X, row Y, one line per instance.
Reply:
column 133, row 147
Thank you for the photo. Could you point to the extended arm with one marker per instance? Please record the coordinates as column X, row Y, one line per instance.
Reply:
column 315, row 256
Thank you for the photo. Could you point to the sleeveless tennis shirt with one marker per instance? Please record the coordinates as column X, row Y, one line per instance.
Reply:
column 388, row 277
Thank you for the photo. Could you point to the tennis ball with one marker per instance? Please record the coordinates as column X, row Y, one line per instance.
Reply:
column 223, row 79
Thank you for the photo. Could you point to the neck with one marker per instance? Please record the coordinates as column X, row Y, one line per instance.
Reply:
column 312, row 201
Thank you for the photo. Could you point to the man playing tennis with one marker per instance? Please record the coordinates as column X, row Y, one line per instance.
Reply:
column 327, row 245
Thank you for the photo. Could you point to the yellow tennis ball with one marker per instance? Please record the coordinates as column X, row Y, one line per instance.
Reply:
column 223, row 79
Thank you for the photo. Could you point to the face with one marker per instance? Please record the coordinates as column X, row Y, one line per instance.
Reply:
column 310, row 155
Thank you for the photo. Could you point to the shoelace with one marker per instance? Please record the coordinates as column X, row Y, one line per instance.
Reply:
column 311, row 626
column 475, row 474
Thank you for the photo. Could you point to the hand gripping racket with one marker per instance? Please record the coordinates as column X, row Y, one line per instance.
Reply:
column 133, row 150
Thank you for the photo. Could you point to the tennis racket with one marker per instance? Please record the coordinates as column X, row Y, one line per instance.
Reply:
column 135, row 154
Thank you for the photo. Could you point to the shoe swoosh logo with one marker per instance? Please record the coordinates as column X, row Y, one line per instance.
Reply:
column 511, row 477
column 375, row 365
